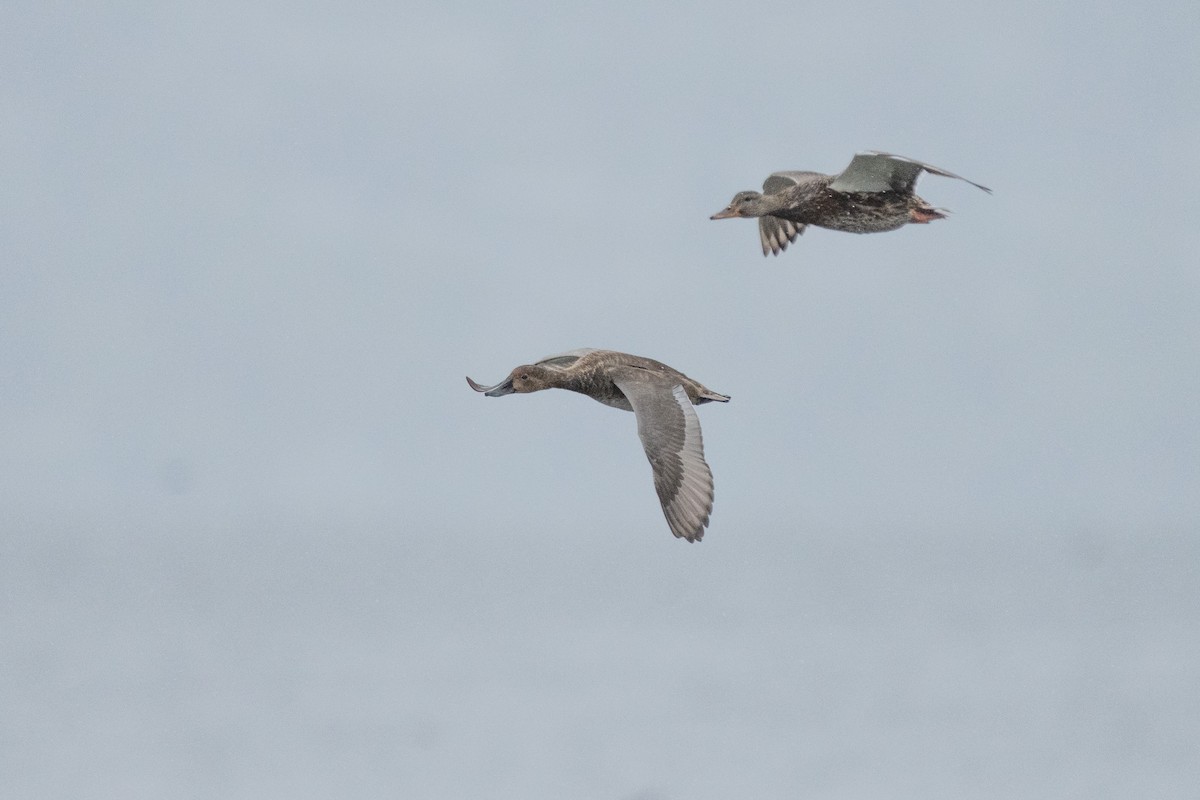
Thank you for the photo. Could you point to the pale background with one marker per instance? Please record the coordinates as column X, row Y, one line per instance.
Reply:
column 261, row 541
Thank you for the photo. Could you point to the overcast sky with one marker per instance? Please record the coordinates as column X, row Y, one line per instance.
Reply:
column 248, row 255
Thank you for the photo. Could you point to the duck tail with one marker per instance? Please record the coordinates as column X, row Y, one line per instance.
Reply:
column 925, row 214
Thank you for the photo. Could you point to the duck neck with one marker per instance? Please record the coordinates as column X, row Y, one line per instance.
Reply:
column 769, row 204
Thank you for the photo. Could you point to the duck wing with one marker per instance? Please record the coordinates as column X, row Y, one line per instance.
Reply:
column 565, row 359
column 776, row 233
column 670, row 432
column 778, row 182
column 883, row 172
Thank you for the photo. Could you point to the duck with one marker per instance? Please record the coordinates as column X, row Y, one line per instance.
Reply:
column 872, row 195
column 662, row 400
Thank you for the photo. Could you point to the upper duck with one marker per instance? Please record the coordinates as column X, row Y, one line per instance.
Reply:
column 661, row 398
column 873, row 194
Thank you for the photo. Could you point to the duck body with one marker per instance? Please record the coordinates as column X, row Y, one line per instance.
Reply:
column 815, row 203
column 596, row 373
column 873, row 194
column 661, row 398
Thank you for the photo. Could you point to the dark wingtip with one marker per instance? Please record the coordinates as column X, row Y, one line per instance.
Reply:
column 976, row 185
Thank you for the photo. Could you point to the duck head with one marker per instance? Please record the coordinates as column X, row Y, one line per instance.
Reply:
column 522, row 380
column 743, row 204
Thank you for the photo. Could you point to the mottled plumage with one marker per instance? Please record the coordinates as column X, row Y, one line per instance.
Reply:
column 873, row 194
column 661, row 398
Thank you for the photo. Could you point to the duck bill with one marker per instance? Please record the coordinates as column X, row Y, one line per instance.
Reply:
column 499, row 390
column 725, row 213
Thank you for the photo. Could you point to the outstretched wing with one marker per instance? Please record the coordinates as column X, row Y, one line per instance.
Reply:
column 565, row 359
column 670, row 434
column 883, row 172
column 777, row 233
column 777, row 182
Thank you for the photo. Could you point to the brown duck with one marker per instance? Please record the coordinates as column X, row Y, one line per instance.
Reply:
column 872, row 195
column 661, row 398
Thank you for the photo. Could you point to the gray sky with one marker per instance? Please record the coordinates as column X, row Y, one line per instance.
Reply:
column 249, row 256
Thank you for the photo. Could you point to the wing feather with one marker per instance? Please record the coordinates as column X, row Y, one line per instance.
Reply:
column 565, row 359
column 776, row 233
column 872, row 171
column 778, row 182
column 670, row 432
